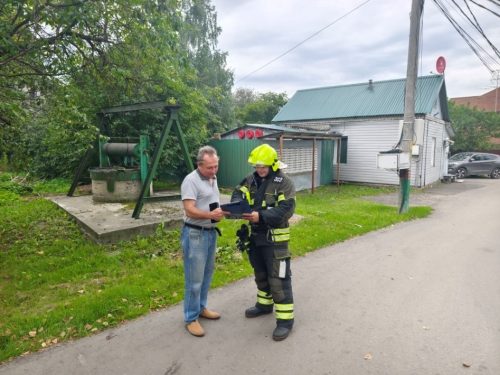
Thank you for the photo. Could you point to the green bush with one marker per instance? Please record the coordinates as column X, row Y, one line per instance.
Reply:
column 17, row 186
column 24, row 185
column 4, row 162
column 7, row 196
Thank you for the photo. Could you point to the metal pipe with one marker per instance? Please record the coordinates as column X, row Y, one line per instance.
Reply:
column 120, row 149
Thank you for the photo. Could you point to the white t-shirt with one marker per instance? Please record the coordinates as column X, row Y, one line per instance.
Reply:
column 204, row 192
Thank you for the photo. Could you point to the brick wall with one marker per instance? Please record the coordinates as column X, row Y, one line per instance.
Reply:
column 485, row 102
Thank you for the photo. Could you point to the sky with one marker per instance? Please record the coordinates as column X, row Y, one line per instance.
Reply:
column 370, row 42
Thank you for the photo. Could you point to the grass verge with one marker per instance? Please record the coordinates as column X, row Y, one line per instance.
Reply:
column 56, row 285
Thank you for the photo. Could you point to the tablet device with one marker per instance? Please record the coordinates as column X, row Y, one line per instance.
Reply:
column 236, row 209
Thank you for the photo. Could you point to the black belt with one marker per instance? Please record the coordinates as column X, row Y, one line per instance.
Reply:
column 203, row 228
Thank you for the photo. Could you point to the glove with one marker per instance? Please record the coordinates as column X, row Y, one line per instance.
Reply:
column 243, row 241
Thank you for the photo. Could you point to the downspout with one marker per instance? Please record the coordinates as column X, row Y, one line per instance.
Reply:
column 424, row 147
column 419, row 161
column 338, row 163
column 281, row 146
column 313, row 162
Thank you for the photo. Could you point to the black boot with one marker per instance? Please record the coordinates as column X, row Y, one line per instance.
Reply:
column 253, row 312
column 280, row 333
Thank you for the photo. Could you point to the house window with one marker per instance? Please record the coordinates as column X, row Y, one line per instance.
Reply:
column 343, row 150
column 299, row 159
column 433, row 151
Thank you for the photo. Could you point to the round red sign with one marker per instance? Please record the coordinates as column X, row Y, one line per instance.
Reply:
column 440, row 65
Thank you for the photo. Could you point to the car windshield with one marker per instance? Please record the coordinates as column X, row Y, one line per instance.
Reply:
column 461, row 156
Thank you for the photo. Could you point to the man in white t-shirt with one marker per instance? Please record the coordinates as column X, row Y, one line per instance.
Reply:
column 200, row 198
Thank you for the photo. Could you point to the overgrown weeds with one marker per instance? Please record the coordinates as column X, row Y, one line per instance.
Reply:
column 55, row 284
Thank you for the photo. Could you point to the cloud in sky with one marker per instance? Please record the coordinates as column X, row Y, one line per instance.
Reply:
column 369, row 43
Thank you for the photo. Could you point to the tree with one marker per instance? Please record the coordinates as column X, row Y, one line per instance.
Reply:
column 47, row 39
column 200, row 33
column 61, row 62
column 257, row 108
column 42, row 42
column 473, row 128
column 243, row 97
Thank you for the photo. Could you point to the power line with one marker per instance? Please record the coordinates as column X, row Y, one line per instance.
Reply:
column 480, row 52
column 466, row 36
column 489, row 10
column 302, row 42
column 476, row 25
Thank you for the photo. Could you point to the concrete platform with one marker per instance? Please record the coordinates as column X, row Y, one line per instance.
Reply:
column 113, row 222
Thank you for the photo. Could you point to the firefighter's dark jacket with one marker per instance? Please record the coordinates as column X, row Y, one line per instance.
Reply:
column 273, row 197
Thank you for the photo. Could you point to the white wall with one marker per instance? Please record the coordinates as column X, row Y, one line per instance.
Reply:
column 302, row 180
column 367, row 137
column 433, row 173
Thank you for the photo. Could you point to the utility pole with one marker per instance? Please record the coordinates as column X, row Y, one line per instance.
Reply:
column 409, row 104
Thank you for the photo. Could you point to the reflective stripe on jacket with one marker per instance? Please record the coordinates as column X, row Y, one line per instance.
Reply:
column 274, row 199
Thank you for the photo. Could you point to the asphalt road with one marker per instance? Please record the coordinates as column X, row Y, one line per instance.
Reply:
column 421, row 297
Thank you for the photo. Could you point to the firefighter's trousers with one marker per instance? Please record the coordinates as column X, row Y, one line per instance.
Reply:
column 271, row 266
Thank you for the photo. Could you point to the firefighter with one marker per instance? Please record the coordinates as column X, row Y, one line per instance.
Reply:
column 271, row 194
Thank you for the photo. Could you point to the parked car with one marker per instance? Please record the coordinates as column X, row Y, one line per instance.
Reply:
column 466, row 164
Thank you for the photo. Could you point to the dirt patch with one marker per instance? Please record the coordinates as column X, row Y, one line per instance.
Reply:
column 295, row 219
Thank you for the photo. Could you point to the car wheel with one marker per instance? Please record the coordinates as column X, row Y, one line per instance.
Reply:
column 461, row 172
column 495, row 173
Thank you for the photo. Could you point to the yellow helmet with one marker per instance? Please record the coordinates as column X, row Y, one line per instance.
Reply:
column 264, row 155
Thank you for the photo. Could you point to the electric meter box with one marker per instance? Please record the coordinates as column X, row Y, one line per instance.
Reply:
column 393, row 161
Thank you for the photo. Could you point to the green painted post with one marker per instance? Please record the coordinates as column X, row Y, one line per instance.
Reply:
column 172, row 116
column 144, row 158
column 183, row 144
column 404, row 191
column 79, row 171
column 409, row 102
column 103, row 158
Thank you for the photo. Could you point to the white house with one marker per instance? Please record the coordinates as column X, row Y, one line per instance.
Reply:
column 369, row 116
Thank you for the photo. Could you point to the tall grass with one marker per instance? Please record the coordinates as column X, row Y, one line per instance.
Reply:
column 55, row 284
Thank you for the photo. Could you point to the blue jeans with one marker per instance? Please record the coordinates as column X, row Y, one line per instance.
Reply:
column 199, row 263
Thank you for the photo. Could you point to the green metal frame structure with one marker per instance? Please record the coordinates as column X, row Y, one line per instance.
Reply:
column 172, row 122
column 136, row 154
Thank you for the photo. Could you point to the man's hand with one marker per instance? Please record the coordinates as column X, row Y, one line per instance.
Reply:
column 196, row 213
column 217, row 214
column 252, row 217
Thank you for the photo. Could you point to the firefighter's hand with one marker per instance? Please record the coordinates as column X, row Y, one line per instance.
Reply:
column 252, row 217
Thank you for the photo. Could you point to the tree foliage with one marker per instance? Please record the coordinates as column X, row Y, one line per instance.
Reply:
column 473, row 128
column 257, row 108
column 62, row 62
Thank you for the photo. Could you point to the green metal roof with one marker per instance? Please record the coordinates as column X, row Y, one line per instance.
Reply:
column 369, row 99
